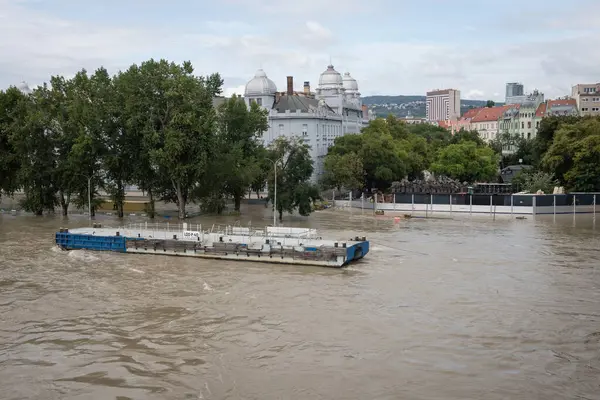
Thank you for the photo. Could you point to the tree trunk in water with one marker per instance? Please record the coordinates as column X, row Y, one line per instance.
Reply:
column 120, row 199
column 180, row 201
column 280, row 215
column 151, row 211
column 238, row 201
column 64, row 203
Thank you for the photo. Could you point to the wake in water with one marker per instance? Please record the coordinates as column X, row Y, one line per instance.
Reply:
column 82, row 255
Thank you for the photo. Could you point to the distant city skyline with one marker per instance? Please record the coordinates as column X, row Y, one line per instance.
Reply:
column 390, row 47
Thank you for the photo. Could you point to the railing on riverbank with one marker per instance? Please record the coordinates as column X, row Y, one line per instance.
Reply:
column 462, row 203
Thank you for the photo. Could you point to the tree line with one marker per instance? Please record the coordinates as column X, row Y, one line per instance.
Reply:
column 153, row 125
column 389, row 150
column 565, row 151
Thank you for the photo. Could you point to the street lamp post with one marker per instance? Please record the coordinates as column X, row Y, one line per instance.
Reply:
column 89, row 179
column 275, row 190
column 90, row 197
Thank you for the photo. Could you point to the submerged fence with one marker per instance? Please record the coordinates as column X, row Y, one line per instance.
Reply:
column 520, row 204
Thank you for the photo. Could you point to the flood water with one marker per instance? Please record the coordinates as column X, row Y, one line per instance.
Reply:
column 439, row 309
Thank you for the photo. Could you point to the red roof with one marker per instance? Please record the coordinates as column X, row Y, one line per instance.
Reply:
column 471, row 113
column 541, row 110
column 567, row 102
column 488, row 114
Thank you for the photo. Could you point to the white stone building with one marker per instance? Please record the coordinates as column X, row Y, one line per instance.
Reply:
column 333, row 110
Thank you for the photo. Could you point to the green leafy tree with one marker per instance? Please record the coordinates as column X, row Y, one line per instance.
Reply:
column 239, row 128
column 490, row 103
column 116, row 144
column 531, row 181
column 466, row 162
column 264, row 167
column 12, row 109
column 545, row 135
column 574, row 155
column 34, row 146
column 88, row 150
column 464, row 135
column 63, row 128
column 180, row 135
column 343, row 171
column 436, row 136
column 294, row 170
column 141, row 121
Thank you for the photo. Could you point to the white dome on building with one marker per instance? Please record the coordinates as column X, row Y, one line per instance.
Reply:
column 330, row 79
column 260, row 85
column 350, row 83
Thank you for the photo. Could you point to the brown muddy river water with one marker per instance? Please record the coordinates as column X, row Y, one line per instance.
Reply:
column 439, row 309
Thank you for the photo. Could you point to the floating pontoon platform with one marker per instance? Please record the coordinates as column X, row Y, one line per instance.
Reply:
column 283, row 245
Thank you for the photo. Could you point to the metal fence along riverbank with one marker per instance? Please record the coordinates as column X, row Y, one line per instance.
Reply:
column 507, row 204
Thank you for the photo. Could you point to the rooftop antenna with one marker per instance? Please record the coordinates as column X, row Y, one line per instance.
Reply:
column 330, row 63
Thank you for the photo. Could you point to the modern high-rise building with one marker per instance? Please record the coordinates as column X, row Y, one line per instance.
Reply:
column 587, row 97
column 443, row 105
column 513, row 90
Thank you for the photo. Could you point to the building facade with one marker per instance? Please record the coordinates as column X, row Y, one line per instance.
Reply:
column 486, row 121
column 333, row 110
column 587, row 97
column 524, row 120
column 443, row 105
column 513, row 90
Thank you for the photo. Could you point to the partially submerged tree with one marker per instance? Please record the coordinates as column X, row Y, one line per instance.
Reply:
column 238, row 149
column 294, row 170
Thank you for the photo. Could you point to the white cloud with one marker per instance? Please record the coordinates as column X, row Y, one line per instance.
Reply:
column 36, row 45
column 239, row 90
column 473, row 94
column 318, row 31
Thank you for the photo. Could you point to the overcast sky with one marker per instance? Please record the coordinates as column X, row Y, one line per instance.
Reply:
column 390, row 46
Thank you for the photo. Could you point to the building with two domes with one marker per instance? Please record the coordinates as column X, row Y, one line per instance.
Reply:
column 334, row 109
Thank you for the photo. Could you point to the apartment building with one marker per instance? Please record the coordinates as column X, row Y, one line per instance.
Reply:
column 443, row 105
column 587, row 97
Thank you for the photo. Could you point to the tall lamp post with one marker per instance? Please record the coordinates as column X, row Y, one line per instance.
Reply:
column 275, row 190
column 89, row 179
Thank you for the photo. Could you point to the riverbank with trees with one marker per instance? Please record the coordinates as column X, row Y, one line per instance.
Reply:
column 565, row 152
column 154, row 125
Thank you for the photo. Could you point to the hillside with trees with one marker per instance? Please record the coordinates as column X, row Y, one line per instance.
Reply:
column 402, row 106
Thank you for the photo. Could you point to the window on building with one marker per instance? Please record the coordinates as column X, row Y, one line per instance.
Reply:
column 304, row 129
column 281, row 129
column 528, row 135
column 522, row 125
column 529, row 124
column 595, row 108
column 259, row 102
column 584, row 109
column 537, row 124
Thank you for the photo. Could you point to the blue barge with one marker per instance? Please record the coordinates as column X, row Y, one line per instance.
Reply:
column 273, row 244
